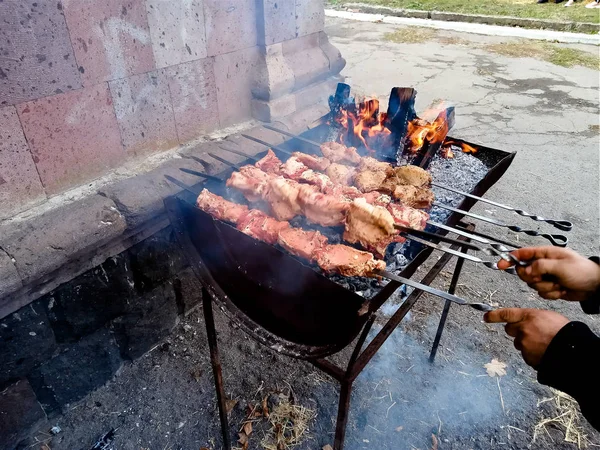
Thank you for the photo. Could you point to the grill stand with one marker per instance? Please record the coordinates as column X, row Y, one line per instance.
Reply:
column 358, row 360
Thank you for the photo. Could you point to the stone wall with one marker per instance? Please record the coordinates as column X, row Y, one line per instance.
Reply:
column 87, row 85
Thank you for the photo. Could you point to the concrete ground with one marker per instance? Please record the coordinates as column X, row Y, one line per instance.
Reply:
column 546, row 113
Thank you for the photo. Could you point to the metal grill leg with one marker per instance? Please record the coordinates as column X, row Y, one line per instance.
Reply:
column 342, row 417
column 211, row 333
column 442, row 324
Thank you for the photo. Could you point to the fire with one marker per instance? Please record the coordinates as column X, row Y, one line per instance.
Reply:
column 447, row 152
column 367, row 123
column 419, row 130
column 466, row 148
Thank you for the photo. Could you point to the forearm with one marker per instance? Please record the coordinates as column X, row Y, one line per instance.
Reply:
column 570, row 364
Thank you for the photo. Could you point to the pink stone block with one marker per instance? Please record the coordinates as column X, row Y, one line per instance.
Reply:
column 36, row 57
column 177, row 30
column 310, row 16
column 234, row 77
column 20, row 183
column 230, row 25
column 279, row 20
column 111, row 38
column 74, row 137
column 194, row 96
column 144, row 112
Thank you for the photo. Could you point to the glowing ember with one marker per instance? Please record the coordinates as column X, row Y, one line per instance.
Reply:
column 447, row 152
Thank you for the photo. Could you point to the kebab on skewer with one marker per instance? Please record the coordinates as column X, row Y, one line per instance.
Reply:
column 310, row 245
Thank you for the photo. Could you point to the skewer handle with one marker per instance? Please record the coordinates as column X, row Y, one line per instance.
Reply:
column 563, row 225
column 558, row 240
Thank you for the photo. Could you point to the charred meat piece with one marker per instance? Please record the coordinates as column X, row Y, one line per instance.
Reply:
column 412, row 196
column 323, row 209
column 408, row 217
column 369, row 226
column 260, row 226
column 348, row 261
column 313, row 162
column 301, row 243
column 293, row 168
column 372, row 164
column 269, row 163
column 250, row 181
column 341, row 174
column 411, row 175
column 282, row 196
column 220, row 208
column 340, row 153
column 369, row 180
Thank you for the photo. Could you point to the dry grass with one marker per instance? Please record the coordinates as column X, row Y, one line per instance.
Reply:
column 567, row 418
column 555, row 54
column 290, row 424
column 411, row 35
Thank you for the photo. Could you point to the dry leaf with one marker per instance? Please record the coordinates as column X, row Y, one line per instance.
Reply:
column 400, row 428
column 265, row 407
column 328, row 447
column 205, row 448
column 229, row 405
column 495, row 368
column 248, row 428
column 434, row 442
column 242, row 438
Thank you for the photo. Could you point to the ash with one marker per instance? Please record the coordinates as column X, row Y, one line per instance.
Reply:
column 462, row 172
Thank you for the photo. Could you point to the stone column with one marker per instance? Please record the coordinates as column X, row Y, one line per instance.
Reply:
column 296, row 60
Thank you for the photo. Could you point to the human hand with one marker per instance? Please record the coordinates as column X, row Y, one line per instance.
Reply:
column 557, row 272
column 533, row 329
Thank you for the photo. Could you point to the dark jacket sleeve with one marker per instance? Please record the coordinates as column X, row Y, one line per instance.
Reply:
column 572, row 364
column 592, row 305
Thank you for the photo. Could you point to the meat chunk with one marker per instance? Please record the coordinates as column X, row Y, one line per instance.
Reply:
column 313, row 162
column 250, row 181
column 260, row 226
column 341, row 174
column 282, row 196
column 413, row 196
column 301, row 243
column 269, row 163
column 293, row 168
column 348, row 261
column 323, row 209
column 376, row 198
column 340, row 153
column 320, row 180
column 369, row 180
column 372, row 164
column 369, row 226
column 411, row 175
column 408, row 217
column 220, row 208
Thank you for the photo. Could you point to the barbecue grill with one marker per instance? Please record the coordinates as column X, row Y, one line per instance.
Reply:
column 287, row 305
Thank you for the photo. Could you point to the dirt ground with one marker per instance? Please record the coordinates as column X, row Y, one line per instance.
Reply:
column 549, row 114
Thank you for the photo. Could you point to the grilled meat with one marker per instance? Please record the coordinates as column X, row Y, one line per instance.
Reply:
column 411, row 175
column 250, row 181
column 282, row 196
column 348, row 261
column 320, row 180
column 313, row 162
column 323, row 209
column 369, row 180
column 217, row 206
column 269, row 163
column 341, row 174
column 412, row 196
column 293, row 168
column 340, row 153
column 408, row 217
column 260, row 226
column 301, row 243
column 372, row 164
column 370, row 226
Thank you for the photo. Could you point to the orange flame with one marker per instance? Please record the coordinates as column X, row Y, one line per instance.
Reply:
column 420, row 130
column 447, row 153
column 466, row 148
column 367, row 124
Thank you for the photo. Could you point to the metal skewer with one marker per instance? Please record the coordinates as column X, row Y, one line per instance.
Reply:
column 237, row 152
column 563, row 225
column 288, row 134
column 556, row 239
column 201, row 174
column 182, row 185
column 274, row 147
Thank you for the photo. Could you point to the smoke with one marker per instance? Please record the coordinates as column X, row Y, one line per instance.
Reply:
column 401, row 399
